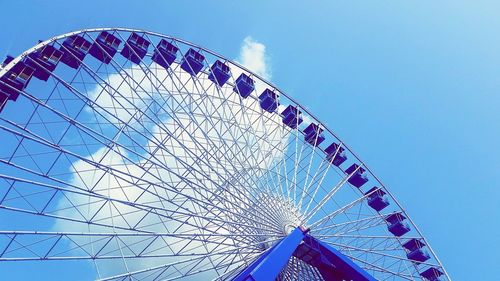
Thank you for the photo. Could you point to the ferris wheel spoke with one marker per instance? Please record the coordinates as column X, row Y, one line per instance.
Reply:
column 283, row 178
column 279, row 179
column 158, row 271
column 311, row 213
column 143, row 244
column 382, row 252
column 319, row 184
column 290, row 188
column 299, row 170
column 295, row 172
column 353, row 225
column 195, row 273
column 360, row 236
column 308, row 172
column 279, row 148
column 99, row 200
column 119, row 172
column 231, row 272
column 212, row 269
column 330, row 216
column 383, row 269
column 49, row 245
column 373, row 244
column 323, row 169
column 307, row 176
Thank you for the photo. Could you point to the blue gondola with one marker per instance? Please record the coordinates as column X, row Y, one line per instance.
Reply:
column 432, row 274
column 314, row 134
column 135, row 48
column 269, row 100
column 377, row 199
column 418, row 256
column 44, row 61
column 358, row 178
column 413, row 244
column 164, row 53
column 192, row 62
column 415, row 252
column 292, row 116
column 335, row 154
column 74, row 50
column 15, row 80
column 244, row 85
column 105, row 47
column 219, row 73
column 397, row 224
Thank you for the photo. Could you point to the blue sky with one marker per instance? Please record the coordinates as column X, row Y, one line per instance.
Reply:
column 412, row 86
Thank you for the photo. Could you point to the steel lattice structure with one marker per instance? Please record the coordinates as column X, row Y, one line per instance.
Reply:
column 156, row 159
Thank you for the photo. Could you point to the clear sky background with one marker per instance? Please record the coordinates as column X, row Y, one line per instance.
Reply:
column 412, row 86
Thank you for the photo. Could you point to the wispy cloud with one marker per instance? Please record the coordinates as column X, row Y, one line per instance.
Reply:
column 253, row 56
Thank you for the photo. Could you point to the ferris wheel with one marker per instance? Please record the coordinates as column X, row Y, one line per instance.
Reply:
column 146, row 157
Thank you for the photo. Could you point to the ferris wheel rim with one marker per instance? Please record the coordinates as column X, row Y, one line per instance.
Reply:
column 8, row 66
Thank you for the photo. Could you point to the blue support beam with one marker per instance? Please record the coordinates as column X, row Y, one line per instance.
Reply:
column 331, row 264
column 269, row 265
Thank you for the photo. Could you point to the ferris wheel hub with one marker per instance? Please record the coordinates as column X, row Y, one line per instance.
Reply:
column 288, row 229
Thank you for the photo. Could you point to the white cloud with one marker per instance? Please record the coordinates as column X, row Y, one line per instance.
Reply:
column 253, row 56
